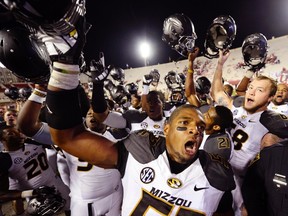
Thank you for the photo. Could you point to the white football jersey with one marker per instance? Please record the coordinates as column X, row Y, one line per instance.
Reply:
column 279, row 108
column 30, row 167
column 169, row 194
column 89, row 190
column 247, row 133
column 157, row 127
column 141, row 121
column 89, row 182
column 151, row 188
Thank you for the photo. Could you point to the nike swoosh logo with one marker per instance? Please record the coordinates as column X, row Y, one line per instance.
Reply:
column 49, row 111
column 251, row 121
column 200, row 188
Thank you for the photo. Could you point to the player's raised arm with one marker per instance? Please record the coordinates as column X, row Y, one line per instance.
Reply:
column 63, row 106
column 190, row 91
column 217, row 90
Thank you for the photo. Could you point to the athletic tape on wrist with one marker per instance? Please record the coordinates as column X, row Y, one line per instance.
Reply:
column 38, row 96
column 66, row 68
column 64, row 76
column 27, row 193
column 249, row 74
column 145, row 89
column 63, row 80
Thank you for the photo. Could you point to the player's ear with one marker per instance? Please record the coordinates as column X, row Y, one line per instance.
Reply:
column 166, row 128
column 270, row 99
column 216, row 127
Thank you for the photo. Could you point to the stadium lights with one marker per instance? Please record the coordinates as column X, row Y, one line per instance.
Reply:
column 145, row 51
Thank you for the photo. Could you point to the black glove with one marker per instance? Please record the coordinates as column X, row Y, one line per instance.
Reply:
column 97, row 69
column 147, row 79
column 43, row 191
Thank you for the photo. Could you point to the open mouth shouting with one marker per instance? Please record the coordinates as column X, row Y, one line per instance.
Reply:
column 190, row 147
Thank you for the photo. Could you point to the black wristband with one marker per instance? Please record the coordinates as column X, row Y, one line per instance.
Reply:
column 99, row 104
column 63, row 109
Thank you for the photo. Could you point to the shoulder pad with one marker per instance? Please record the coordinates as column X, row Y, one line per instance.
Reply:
column 217, row 170
column 276, row 123
column 220, row 144
column 144, row 146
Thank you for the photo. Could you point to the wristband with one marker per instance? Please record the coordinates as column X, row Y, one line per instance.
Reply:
column 190, row 71
column 65, row 68
column 145, row 90
column 249, row 74
column 38, row 96
column 27, row 193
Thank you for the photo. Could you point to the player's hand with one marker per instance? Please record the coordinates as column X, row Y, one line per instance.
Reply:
column 223, row 56
column 147, row 79
column 193, row 54
column 66, row 48
column 97, row 69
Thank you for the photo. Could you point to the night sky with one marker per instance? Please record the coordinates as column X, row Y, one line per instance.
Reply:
column 118, row 26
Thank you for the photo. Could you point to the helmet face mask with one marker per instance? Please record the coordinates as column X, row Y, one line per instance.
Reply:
column 254, row 50
column 172, row 80
column 220, row 35
column 179, row 33
column 177, row 96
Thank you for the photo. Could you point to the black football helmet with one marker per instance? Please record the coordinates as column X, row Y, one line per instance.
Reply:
column 172, row 80
column 25, row 92
column 182, row 78
column 25, row 56
column 46, row 204
column 254, row 50
column 203, row 85
column 220, row 35
column 45, row 16
column 12, row 93
column 179, row 33
column 120, row 94
column 177, row 96
column 117, row 74
column 155, row 76
column 132, row 88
